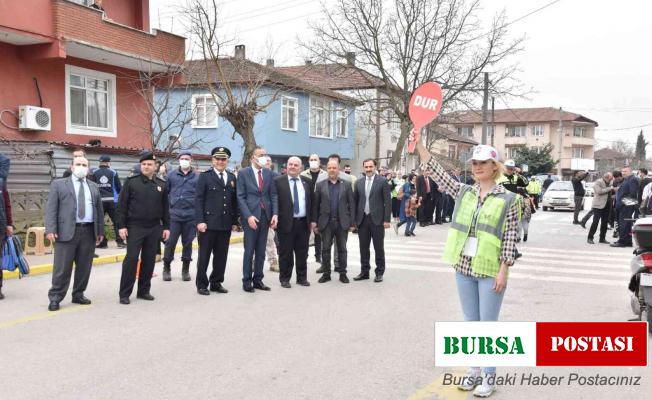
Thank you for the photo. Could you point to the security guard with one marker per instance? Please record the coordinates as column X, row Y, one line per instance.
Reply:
column 143, row 218
column 109, row 183
column 216, row 208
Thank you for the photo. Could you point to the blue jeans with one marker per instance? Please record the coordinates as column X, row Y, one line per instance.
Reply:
column 411, row 224
column 479, row 301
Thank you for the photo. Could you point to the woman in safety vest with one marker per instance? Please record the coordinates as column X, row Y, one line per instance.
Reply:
column 480, row 244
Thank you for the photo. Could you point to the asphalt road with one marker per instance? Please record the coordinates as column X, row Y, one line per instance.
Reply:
column 363, row 340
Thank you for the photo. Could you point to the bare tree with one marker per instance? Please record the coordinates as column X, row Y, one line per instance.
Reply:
column 168, row 109
column 410, row 42
column 234, row 82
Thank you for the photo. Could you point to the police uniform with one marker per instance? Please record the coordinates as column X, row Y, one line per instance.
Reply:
column 143, row 209
column 109, row 184
column 216, row 205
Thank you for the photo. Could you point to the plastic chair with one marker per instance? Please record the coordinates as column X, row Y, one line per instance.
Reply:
column 39, row 248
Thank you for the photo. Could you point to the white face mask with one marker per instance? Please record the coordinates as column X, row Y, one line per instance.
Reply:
column 314, row 164
column 80, row 172
column 184, row 164
column 262, row 161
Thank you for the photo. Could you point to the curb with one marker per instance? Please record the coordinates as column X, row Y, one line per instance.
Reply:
column 47, row 268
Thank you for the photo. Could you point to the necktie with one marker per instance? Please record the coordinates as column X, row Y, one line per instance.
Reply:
column 367, row 190
column 81, row 200
column 427, row 184
column 222, row 178
column 260, row 180
column 295, row 197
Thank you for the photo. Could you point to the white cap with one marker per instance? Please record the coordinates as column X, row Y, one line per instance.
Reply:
column 510, row 164
column 482, row 152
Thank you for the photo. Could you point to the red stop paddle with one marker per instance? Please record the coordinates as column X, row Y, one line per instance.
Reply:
column 425, row 105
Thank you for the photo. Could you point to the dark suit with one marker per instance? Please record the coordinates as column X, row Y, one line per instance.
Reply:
column 263, row 204
column 428, row 198
column 333, row 226
column 216, row 205
column 75, row 241
column 370, row 225
column 293, row 232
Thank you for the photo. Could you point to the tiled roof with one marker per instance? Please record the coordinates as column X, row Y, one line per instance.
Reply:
column 516, row 115
column 120, row 150
column 453, row 136
column 243, row 71
column 334, row 76
column 608, row 154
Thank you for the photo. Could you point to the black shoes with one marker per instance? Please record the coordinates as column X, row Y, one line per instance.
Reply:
column 525, row 237
column 583, row 224
column 262, row 286
column 344, row 278
column 81, row 300
column 2, row 296
column 167, row 277
column 54, row 306
column 361, row 277
column 248, row 288
column 590, row 241
column 124, row 300
column 325, row 278
column 219, row 289
column 102, row 246
column 303, row 283
column 378, row 278
column 604, row 241
column 320, row 270
column 203, row 291
column 518, row 255
column 146, row 296
column 617, row 244
column 286, row 285
column 185, row 271
column 576, row 222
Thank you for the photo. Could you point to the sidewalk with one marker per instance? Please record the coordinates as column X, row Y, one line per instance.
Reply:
column 43, row 264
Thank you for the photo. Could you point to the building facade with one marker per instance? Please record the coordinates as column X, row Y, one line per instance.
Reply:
column 534, row 128
column 83, row 65
column 299, row 118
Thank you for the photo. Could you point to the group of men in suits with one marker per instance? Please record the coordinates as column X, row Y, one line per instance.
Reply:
column 257, row 199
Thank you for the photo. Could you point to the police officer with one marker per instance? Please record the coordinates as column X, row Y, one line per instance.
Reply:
column 181, row 184
column 216, row 208
column 143, row 219
column 109, row 183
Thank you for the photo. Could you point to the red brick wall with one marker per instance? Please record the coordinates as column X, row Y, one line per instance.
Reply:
column 20, row 90
column 77, row 22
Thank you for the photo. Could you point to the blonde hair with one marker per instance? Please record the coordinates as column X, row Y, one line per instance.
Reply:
column 499, row 170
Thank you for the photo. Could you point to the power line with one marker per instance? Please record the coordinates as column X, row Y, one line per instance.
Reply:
column 624, row 129
column 280, row 22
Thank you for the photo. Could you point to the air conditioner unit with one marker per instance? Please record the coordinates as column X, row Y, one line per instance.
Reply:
column 32, row 118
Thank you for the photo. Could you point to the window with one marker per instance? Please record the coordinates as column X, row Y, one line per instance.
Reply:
column 578, row 152
column 490, row 130
column 537, row 130
column 466, row 131
column 204, row 111
column 452, row 150
column 516, row 131
column 320, row 118
column 341, row 123
column 512, row 152
column 579, row 131
column 289, row 113
column 90, row 102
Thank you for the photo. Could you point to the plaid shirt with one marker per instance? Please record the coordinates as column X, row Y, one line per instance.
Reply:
column 452, row 187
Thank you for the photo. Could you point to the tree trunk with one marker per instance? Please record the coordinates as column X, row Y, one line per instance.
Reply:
column 249, row 140
column 398, row 152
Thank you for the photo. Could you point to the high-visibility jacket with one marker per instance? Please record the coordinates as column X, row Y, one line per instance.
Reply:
column 534, row 187
column 489, row 228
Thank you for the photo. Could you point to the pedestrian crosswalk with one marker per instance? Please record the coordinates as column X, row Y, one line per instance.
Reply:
column 609, row 267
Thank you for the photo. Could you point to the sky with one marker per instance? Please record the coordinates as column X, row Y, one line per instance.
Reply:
column 591, row 57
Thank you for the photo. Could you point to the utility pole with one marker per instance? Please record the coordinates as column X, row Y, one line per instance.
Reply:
column 493, row 122
column 561, row 137
column 485, row 100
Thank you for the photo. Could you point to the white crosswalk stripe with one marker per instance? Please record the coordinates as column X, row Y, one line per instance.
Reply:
column 604, row 268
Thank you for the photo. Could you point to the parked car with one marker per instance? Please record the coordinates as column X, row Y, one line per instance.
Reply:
column 588, row 188
column 560, row 194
